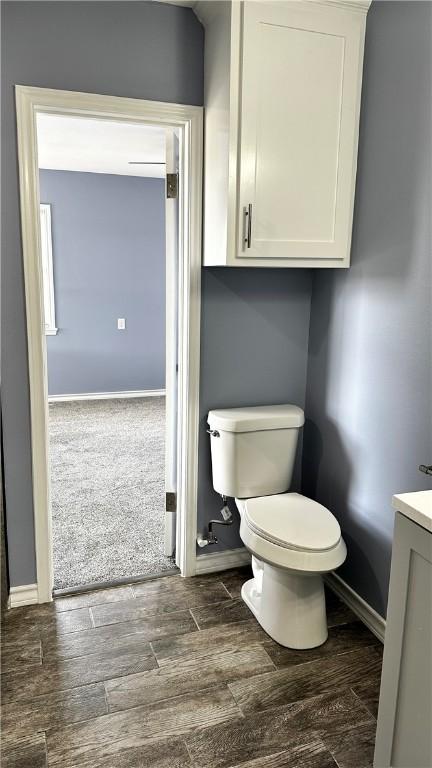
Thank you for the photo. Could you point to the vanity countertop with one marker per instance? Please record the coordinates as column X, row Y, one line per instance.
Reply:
column 417, row 506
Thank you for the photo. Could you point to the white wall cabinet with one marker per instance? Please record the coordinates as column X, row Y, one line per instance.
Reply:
column 282, row 99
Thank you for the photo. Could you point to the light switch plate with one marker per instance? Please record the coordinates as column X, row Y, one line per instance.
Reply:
column 121, row 323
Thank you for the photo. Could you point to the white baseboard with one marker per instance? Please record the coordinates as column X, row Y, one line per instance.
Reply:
column 170, row 533
column 221, row 561
column 107, row 395
column 360, row 607
column 27, row 594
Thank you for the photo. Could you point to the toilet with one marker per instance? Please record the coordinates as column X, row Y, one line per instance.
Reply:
column 293, row 540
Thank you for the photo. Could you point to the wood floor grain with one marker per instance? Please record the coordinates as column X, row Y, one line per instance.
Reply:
column 234, row 580
column 16, row 632
column 186, row 676
column 355, row 748
column 342, row 638
column 108, row 735
column 178, row 674
column 45, row 618
column 337, row 612
column 283, row 728
column 368, row 691
column 222, row 613
column 21, row 654
column 303, row 681
column 129, row 657
column 201, row 644
column 89, row 599
column 97, row 639
column 200, row 586
column 28, row 752
column 159, row 754
column 312, row 755
column 26, row 718
column 161, row 602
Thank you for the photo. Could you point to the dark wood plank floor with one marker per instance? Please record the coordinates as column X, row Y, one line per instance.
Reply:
column 175, row 673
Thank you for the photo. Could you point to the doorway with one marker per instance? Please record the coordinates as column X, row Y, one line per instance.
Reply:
column 183, row 125
column 105, row 230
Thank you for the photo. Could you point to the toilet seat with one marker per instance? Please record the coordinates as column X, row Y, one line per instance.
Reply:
column 292, row 521
column 289, row 543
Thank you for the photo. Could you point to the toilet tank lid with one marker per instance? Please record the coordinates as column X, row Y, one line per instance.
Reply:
column 256, row 418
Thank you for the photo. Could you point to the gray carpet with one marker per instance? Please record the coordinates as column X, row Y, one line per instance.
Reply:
column 107, row 489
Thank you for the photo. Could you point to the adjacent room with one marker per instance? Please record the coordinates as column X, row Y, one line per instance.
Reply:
column 103, row 237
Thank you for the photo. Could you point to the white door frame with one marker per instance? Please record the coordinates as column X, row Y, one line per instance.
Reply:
column 188, row 119
column 171, row 343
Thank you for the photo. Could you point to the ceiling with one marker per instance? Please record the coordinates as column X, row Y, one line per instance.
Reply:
column 99, row 146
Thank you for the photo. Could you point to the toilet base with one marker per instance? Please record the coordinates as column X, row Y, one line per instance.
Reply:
column 289, row 607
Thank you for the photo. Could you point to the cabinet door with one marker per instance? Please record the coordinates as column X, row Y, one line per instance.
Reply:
column 404, row 737
column 301, row 82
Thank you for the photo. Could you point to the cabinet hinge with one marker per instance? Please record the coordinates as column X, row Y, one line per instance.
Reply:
column 172, row 185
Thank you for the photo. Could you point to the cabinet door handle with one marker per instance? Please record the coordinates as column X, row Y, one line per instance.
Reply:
column 247, row 225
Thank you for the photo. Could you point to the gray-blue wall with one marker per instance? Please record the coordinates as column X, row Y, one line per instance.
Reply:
column 369, row 378
column 254, row 341
column 144, row 50
column 108, row 236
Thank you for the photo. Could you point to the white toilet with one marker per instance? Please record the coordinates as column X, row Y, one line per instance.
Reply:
column 293, row 540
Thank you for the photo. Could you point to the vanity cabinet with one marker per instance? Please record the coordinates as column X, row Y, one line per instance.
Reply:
column 282, row 104
column 404, row 737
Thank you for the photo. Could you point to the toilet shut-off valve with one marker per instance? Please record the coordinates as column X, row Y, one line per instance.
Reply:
column 211, row 537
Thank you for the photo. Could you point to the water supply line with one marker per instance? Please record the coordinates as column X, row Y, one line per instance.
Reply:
column 211, row 536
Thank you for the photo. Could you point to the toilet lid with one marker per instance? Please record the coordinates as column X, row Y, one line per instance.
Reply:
column 292, row 521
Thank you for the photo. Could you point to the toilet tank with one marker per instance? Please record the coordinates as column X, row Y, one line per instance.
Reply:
column 253, row 449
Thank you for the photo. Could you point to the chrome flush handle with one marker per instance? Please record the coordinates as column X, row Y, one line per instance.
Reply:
column 213, row 432
column 426, row 468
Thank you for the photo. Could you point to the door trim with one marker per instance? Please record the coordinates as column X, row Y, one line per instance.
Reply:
column 171, row 313
column 188, row 119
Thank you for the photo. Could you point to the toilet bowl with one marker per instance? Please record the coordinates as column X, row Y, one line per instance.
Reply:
column 293, row 540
